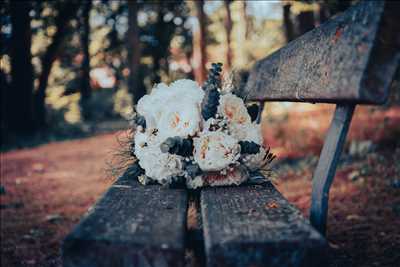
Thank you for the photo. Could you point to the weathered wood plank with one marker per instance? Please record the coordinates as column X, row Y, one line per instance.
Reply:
column 352, row 58
column 326, row 168
column 254, row 225
column 132, row 225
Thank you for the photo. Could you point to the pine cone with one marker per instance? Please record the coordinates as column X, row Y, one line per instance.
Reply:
column 210, row 102
column 249, row 147
column 177, row 145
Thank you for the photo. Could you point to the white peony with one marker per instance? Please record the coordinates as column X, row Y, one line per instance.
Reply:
column 150, row 106
column 233, row 108
column 174, row 110
column 180, row 120
column 185, row 90
column 214, row 151
column 239, row 125
column 246, row 132
column 157, row 165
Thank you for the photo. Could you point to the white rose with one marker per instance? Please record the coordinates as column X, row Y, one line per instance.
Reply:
column 233, row 108
column 180, row 120
column 168, row 104
column 186, row 90
column 157, row 165
column 150, row 106
column 215, row 151
column 246, row 132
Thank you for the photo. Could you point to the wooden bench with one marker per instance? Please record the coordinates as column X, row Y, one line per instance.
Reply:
column 347, row 61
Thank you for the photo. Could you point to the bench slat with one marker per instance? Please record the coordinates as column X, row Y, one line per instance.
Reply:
column 255, row 225
column 132, row 225
column 351, row 58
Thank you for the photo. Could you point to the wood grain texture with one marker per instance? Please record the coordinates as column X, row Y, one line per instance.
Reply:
column 351, row 58
column 132, row 225
column 327, row 163
column 254, row 225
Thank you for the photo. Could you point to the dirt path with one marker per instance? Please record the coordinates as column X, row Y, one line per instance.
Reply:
column 48, row 188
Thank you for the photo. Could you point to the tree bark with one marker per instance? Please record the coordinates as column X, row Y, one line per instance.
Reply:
column 19, row 98
column 323, row 12
column 241, row 54
column 228, row 30
column 163, row 32
column 287, row 22
column 305, row 22
column 66, row 12
column 246, row 18
column 158, row 54
column 86, row 90
column 134, row 53
column 199, row 44
column 4, row 114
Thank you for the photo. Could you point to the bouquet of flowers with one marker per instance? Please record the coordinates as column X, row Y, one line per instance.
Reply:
column 198, row 136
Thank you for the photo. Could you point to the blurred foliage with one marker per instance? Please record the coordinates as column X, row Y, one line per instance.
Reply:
column 165, row 35
column 165, row 41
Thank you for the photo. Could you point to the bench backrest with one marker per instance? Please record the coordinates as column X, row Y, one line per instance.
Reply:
column 349, row 60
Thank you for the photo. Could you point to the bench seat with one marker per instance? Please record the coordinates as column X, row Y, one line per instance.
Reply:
column 131, row 225
column 255, row 225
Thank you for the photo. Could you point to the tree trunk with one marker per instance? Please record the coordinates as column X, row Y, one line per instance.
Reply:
column 341, row 6
column 241, row 54
column 228, row 30
column 287, row 22
column 4, row 113
column 305, row 22
column 133, row 47
column 158, row 54
column 86, row 90
column 19, row 98
column 199, row 44
column 246, row 18
column 66, row 12
column 323, row 12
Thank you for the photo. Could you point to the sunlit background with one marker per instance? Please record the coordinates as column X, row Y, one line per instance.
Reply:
column 99, row 44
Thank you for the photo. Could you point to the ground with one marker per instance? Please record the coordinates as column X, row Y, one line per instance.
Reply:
column 45, row 190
